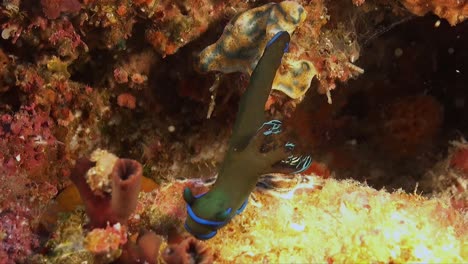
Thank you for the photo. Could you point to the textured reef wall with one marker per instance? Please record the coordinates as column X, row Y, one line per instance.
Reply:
column 157, row 83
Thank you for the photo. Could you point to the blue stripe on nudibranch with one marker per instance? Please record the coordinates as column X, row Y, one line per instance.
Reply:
column 198, row 236
column 242, row 208
column 289, row 145
column 202, row 221
column 275, row 37
column 200, row 195
column 274, row 129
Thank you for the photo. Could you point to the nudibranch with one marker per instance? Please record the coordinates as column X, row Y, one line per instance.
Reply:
column 253, row 150
column 240, row 46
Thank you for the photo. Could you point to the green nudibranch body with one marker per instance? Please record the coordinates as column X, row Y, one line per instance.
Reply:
column 244, row 162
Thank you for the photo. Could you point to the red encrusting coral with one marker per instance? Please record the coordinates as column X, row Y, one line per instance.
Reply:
column 17, row 239
column 111, row 208
column 25, row 140
column 190, row 250
column 53, row 8
column 66, row 39
column 459, row 160
column 126, row 100
column 410, row 123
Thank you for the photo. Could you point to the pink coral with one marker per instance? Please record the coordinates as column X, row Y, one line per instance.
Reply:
column 17, row 240
column 120, row 75
column 25, row 139
column 126, row 100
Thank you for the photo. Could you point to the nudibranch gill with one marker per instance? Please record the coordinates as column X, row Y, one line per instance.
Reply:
column 254, row 150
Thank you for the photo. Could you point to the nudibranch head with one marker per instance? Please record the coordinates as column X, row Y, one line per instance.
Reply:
column 240, row 46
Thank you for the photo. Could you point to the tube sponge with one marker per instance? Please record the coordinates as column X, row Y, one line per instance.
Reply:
column 116, row 206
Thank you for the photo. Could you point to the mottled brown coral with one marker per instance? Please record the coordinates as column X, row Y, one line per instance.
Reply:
column 410, row 123
column 190, row 250
column 176, row 23
column 144, row 250
column 449, row 177
column 455, row 11
column 53, row 8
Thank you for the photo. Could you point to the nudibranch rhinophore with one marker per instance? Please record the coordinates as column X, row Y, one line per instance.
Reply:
column 253, row 151
column 240, row 46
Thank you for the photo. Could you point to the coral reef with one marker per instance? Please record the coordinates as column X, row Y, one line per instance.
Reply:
column 125, row 76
